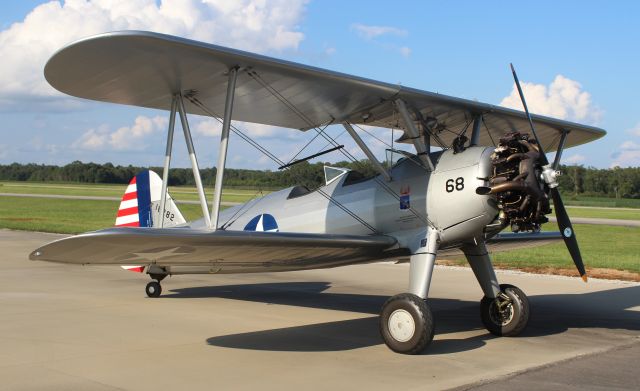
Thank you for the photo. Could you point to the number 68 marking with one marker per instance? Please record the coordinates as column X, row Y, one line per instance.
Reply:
column 457, row 184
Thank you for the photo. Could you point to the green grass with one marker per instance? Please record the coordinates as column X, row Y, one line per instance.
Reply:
column 181, row 193
column 601, row 246
column 570, row 199
column 56, row 215
column 66, row 216
column 604, row 213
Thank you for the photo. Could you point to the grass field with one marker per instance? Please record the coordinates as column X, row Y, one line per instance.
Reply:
column 66, row 216
column 604, row 213
column 106, row 190
column 603, row 202
column 602, row 246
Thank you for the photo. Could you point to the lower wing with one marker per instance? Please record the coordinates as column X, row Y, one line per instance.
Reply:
column 191, row 247
column 513, row 241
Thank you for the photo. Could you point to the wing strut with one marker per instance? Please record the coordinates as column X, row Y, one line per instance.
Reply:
column 556, row 160
column 167, row 158
column 475, row 133
column 224, row 145
column 366, row 150
column 418, row 142
column 194, row 160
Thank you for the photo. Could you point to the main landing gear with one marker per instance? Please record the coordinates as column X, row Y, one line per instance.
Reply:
column 504, row 309
column 406, row 322
column 507, row 314
column 154, row 289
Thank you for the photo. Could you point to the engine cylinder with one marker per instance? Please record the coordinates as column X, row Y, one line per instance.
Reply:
column 520, row 193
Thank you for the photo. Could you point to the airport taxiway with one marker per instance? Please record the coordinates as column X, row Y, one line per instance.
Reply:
column 74, row 327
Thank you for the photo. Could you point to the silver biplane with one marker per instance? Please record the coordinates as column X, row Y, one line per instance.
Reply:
column 488, row 173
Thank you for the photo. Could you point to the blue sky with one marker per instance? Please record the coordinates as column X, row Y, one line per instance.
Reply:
column 578, row 59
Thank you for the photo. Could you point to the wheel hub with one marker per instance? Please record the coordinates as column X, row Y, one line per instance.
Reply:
column 502, row 312
column 401, row 325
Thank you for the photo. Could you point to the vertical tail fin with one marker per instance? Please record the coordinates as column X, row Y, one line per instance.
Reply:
column 140, row 207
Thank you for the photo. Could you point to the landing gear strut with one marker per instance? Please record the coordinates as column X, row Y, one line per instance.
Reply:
column 504, row 309
column 406, row 321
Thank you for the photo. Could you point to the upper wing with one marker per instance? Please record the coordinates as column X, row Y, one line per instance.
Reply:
column 145, row 69
column 191, row 247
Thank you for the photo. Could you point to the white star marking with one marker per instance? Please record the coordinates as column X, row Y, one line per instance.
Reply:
column 260, row 226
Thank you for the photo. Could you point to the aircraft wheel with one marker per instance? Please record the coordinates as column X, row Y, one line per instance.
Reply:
column 154, row 289
column 406, row 324
column 508, row 314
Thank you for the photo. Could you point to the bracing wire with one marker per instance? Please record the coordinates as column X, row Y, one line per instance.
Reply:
column 274, row 158
column 331, row 141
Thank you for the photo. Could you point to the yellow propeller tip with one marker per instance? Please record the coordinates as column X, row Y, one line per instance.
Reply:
column 584, row 277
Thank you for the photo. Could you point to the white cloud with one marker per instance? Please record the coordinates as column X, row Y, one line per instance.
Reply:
column 627, row 159
column 370, row 32
column 574, row 159
column 208, row 127
column 628, row 155
column 126, row 138
column 254, row 25
column 563, row 98
column 629, row 146
column 635, row 130
column 211, row 127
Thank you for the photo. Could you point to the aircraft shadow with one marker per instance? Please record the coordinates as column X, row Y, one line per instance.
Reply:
column 551, row 314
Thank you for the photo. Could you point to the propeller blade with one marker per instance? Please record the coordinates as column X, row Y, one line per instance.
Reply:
column 543, row 157
column 568, row 234
column 564, row 223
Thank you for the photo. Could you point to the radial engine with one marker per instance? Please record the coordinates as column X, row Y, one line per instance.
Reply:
column 521, row 194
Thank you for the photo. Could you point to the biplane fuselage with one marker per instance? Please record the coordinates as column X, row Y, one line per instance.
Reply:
column 455, row 208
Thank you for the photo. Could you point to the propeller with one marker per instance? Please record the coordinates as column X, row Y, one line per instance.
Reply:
column 549, row 175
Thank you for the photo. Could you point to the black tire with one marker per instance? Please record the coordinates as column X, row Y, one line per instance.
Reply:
column 513, row 319
column 154, row 289
column 421, row 318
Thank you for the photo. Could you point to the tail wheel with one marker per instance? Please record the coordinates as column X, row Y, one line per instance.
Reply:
column 406, row 324
column 506, row 315
column 153, row 289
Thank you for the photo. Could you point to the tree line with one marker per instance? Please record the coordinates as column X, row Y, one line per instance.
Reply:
column 310, row 175
column 613, row 182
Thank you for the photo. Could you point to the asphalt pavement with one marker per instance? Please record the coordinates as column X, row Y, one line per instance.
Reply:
column 93, row 328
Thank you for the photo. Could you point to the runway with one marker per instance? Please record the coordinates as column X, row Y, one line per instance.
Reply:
column 93, row 328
